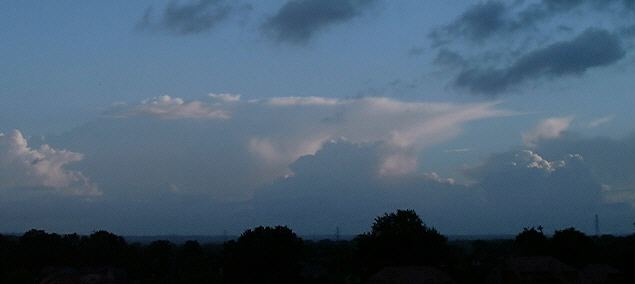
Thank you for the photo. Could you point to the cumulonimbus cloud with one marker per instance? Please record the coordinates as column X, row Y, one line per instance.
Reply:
column 289, row 164
column 404, row 128
column 24, row 167
column 260, row 139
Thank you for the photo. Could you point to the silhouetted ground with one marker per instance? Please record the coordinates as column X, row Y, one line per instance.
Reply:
column 399, row 248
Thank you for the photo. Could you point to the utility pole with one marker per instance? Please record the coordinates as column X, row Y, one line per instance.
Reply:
column 337, row 233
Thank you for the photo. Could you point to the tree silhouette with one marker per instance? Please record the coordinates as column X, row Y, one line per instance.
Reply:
column 193, row 265
column 160, row 257
column 531, row 242
column 400, row 238
column 104, row 248
column 40, row 248
column 264, row 255
column 572, row 246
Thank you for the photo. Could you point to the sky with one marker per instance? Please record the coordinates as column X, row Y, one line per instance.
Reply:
column 214, row 116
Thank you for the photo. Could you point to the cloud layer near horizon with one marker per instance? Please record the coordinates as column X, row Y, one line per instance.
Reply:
column 310, row 163
column 226, row 137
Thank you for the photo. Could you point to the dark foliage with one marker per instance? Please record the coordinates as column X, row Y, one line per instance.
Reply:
column 531, row 242
column 104, row 248
column 278, row 255
column 264, row 255
column 400, row 239
column 573, row 247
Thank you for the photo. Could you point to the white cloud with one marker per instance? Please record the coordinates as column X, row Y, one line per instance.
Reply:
column 303, row 101
column 22, row 166
column 176, row 108
column 433, row 176
column 550, row 128
column 274, row 153
column 398, row 164
column 457, row 150
column 225, row 97
column 530, row 159
column 601, row 120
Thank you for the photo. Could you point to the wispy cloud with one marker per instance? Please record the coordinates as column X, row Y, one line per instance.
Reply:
column 547, row 129
column 601, row 121
column 303, row 101
column 173, row 108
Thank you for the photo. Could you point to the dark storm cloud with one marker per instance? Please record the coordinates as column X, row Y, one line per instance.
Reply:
column 478, row 22
column 190, row 18
column 498, row 45
column 485, row 20
column 592, row 48
column 447, row 57
column 298, row 20
column 628, row 31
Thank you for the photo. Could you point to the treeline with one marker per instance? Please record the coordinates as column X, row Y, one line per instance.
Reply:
column 277, row 255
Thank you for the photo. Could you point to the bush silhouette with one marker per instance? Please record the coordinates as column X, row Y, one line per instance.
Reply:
column 264, row 255
column 398, row 239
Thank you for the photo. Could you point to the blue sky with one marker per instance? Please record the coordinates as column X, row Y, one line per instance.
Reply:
column 151, row 117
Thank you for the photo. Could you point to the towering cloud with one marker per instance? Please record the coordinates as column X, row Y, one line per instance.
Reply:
column 316, row 165
column 197, row 147
column 24, row 167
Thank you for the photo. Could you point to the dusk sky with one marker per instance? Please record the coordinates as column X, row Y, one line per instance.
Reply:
column 213, row 116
